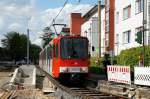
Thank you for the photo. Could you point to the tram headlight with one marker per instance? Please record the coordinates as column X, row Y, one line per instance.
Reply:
column 63, row 69
column 84, row 69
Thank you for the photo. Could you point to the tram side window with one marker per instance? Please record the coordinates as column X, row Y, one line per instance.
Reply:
column 56, row 50
column 49, row 50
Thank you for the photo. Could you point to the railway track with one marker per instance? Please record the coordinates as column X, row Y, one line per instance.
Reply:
column 6, row 94
column 64, row 92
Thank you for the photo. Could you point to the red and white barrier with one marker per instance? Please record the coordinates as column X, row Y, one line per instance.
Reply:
column 142, row 75
column 119, row 74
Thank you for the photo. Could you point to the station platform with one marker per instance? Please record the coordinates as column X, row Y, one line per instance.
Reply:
column 24, row 77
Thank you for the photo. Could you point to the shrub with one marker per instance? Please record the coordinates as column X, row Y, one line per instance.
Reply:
column 131, row 56
column 98, row 65
column 96, row 69
column 96, row 62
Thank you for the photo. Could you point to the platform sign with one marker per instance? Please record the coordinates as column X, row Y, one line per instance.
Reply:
column 142, row 76
column 120, row 74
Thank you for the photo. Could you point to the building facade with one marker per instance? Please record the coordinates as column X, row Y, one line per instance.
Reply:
column 120, row 24
column 128, row 22
column 75, row 23
column 89, row 29
column 109, row 25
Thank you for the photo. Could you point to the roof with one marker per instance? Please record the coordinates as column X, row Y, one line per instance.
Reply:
column 92, row 12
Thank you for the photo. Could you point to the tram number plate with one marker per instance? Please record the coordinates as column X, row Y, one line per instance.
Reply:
column 74, row 69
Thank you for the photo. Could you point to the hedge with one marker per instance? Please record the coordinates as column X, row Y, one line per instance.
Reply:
column 131, row 56
column 128, row 57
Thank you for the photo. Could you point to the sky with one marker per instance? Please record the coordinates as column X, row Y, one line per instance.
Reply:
column 18, row 15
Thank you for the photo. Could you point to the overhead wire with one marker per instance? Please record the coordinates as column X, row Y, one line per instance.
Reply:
column 54, row 19
column 61, row 9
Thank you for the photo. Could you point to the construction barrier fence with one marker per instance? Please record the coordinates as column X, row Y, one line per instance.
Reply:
column 142, row 76
column 120, row 74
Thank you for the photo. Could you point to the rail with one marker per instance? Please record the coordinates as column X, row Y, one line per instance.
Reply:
column 63, row 92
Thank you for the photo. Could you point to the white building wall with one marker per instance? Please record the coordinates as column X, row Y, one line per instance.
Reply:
column 122, row 25
column 90, row 30
column 103, row 32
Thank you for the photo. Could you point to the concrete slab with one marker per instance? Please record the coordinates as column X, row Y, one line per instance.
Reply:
column 47, row 86
column 29, row 71
column 24, row 76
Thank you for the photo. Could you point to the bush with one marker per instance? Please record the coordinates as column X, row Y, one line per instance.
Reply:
column 131, row 56
column 96, row 62
column 98, row 65
column 97, row 70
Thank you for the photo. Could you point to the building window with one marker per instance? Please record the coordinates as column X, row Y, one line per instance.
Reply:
column 139, row 6
column 127, row 12
column 139, row 29
column 85, row 33
column 107, row 22
column 126, row 37
column 56, row 51
column 106, row 39
column 117, row 39
column 117, row 17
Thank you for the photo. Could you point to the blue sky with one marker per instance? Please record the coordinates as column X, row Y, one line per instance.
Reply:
column 45, row 4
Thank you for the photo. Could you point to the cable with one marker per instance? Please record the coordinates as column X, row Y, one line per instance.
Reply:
column 61, row 9
column 59, row 12
column 54, row 27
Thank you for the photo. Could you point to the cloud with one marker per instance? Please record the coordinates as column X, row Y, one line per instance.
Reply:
column 15, row 27
column 1, row 22
column 38, row 42
column 22, row 14
column 64, row 17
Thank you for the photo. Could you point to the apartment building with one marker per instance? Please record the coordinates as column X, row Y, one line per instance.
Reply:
column 128, row 21
column 120, row 23
column 89, row 29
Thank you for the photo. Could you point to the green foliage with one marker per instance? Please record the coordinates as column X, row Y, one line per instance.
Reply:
column 15, row 44
column 4, row 54
column 96, row 62
column 95, row 69
column 34, row 53
column 130, row 57
column 47, row 36
column 96, row 65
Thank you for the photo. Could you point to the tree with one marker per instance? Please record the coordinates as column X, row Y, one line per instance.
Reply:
column 16, row 45
column 34, row 53
column 47, row 36
column 4, row 54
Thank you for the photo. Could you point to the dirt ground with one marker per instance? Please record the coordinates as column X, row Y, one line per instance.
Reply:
column 5, row 77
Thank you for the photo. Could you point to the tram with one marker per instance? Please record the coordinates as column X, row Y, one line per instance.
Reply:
column 66, row 57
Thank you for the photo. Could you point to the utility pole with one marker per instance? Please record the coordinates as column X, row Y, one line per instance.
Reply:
column 27, row 46
column 148, row 7
column 28, row 40
column 99, row 26
column 144, row 27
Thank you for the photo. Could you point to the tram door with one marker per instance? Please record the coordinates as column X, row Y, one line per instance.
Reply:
column 49, row 50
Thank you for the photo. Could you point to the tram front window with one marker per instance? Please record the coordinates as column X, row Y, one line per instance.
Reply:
column 76, row 48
